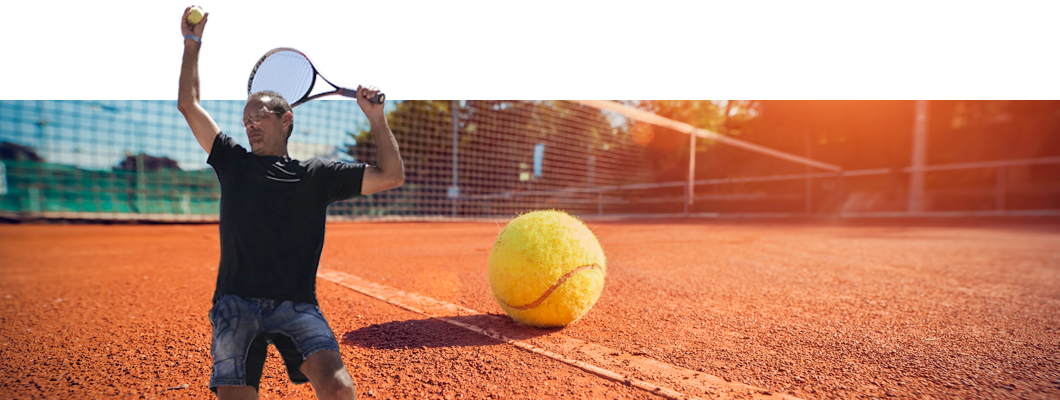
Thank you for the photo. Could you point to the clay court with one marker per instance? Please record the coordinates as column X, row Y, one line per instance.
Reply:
column 696, row 308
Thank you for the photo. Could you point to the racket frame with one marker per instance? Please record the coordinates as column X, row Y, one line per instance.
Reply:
column 339, row 90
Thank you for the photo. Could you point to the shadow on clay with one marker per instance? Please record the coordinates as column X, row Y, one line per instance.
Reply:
column 436, row 332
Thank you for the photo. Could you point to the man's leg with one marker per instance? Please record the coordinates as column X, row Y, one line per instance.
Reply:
column 238, row 348
column 329, row 376
column 236, row 393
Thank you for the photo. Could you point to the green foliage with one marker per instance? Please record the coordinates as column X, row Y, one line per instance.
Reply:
column 668, row 149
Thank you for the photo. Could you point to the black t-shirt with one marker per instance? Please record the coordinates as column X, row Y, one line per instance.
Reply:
column 273, row 211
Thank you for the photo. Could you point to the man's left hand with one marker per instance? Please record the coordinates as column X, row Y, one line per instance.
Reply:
column 373, row 111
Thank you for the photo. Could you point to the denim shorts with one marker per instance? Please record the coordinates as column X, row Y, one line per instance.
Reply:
column 244, row 328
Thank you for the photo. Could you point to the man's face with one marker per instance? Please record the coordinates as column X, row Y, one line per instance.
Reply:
column 266, row 130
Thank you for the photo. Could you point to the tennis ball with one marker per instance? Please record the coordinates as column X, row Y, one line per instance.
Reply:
column 546, row 269
column 195, row 15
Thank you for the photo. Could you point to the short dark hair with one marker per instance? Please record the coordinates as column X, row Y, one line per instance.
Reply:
column 276, row 104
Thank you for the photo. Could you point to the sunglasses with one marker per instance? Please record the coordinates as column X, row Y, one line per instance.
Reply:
column 255, row 117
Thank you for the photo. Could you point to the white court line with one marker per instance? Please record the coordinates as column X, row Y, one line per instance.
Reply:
column 578, row 353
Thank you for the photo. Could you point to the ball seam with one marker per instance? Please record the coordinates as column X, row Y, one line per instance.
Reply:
column 548, row 292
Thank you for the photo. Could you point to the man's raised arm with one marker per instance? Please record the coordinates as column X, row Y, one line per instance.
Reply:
column 389, row 171
column 201, row 124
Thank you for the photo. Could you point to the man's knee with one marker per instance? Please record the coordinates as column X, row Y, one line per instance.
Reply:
column 338, row 386
column 329, row 376
column 236, row 393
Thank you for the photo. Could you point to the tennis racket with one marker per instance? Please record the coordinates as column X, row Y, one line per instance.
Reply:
column 289, row 73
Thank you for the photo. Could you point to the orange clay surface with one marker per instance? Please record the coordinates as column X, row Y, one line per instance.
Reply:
column 808, row 309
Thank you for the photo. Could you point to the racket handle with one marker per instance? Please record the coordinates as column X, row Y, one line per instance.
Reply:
column 378, row 99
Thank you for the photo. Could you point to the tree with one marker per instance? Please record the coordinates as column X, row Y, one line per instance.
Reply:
column 668, row 149
column 18, row 152
column 151, row 163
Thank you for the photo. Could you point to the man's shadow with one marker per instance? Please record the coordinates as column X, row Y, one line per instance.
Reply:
column 436, row 332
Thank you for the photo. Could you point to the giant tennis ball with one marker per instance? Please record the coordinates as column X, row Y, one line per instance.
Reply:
column 195, row 15
column 546, row 269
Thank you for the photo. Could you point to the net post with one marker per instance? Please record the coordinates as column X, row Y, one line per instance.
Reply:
column 809, row 174
column 999, row 189
column 536, row 197
column 919, row 158
column 690, row 193
column 453, row 190
column 141, row 183
column 842, row 192
column 35, row 202
column 3, row 178
column 600, row 202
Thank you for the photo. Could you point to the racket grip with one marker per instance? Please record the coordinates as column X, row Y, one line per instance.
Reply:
column 378, row 99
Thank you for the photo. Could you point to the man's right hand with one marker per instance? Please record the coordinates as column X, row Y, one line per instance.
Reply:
column 186, row 28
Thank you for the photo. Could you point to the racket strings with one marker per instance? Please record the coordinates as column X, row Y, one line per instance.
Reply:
column 288, row 73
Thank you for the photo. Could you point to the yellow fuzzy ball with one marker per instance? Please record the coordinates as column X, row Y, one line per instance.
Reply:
column 546, row 269
column 194, row 15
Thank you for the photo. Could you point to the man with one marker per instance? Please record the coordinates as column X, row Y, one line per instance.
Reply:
column 273, row 211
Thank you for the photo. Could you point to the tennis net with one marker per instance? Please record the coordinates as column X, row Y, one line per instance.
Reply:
column 138, row 161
